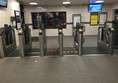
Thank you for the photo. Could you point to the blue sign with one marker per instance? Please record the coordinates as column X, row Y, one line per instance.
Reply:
column 3, row 3
column 95, row 7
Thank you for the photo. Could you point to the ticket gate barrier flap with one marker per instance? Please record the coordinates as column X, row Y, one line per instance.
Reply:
column 10, row 45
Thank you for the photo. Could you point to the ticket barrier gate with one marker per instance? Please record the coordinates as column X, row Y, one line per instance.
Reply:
column 25, row 43
column 79, row 38
column 106, row 39
column 7, row 41
column 42, row 42
column 26, row 47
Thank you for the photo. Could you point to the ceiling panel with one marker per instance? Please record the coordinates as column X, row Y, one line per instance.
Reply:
column 59, row 2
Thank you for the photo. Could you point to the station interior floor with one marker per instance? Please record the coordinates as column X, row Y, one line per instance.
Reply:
column 91, row 68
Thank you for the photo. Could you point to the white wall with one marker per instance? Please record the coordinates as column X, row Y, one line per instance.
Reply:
column 5, row 14
column 115, row 6
column 81, row 9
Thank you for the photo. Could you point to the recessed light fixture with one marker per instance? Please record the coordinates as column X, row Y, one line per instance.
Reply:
column 66, row 2
column 33, row 3
column 99, row 1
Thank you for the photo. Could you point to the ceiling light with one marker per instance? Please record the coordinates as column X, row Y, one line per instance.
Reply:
column 66, row 2
column 33, row 3
column 99, row 1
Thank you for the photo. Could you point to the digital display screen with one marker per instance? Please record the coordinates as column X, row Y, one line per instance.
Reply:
column 3, row 3
column 95, row 7
column 50, row 20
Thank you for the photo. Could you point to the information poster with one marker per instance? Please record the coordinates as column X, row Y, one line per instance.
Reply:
column 18, row 19
column 76, row 18
column 94, row 19
column 103, row 18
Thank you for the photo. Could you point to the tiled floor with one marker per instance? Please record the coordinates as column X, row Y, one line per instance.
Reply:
column 67, row 69
column 90, row 41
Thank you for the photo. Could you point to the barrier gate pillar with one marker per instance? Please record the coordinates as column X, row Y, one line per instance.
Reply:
column 21, row 42
column 111, row 44
column 60, row 32
column 2, row 54
column 80, row 32
column 42, row 40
